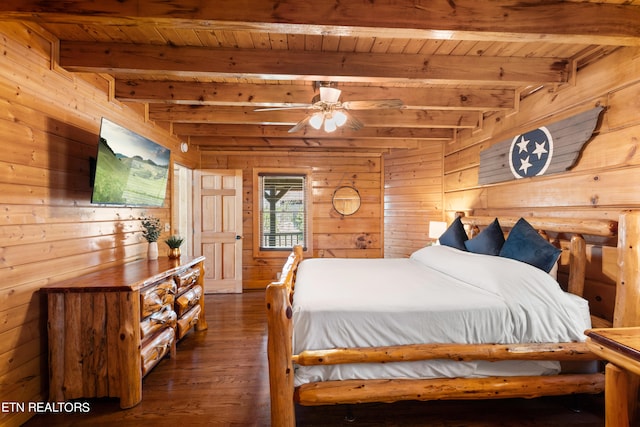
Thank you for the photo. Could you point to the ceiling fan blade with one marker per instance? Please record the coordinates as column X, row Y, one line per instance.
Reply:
column 373, row 104
column 288, row 107
column 300, row 125
column 353, row 123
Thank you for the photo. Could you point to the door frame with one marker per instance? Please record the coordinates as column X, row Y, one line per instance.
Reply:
column 182, row 206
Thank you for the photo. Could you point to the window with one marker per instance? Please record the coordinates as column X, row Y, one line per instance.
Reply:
column 282, row 218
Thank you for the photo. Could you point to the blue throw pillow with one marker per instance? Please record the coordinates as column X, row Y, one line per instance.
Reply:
column 526, row 245
column 489, row 241
column 455, row 236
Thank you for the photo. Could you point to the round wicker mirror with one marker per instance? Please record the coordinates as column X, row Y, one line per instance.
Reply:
column 346, row 200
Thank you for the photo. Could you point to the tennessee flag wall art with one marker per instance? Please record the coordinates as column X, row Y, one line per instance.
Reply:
column 546, row 150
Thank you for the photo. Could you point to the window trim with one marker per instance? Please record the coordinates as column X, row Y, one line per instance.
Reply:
column 257, row 253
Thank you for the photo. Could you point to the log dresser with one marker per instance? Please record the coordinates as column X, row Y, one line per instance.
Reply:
column 109, row 328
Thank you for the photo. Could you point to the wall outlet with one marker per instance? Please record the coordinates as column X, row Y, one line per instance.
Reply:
column 167, row 227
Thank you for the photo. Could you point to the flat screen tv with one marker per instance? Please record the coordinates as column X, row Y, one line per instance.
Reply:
column 130, row 169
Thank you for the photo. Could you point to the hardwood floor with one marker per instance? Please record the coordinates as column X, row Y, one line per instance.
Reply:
column 219, row 377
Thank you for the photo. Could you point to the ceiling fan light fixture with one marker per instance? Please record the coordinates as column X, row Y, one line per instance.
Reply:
column 329, row 94
column 327, row 110
column 340, row 118
column 329, row 124
column 316, row 120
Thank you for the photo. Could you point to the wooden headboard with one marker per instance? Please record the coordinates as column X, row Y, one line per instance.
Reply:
column 593, row 227
column 575, row 228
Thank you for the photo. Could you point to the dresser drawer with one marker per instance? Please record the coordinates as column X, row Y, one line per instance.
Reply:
column 187, row 278
column 188, row 320
column 158, row 320
column 156, row 349
column 153, row 298
column 188, row 300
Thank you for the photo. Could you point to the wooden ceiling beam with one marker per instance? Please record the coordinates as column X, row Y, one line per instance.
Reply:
column 226, row 143
column 261, row 131
column 308, row 65
column 605, row 22
column 276, row 95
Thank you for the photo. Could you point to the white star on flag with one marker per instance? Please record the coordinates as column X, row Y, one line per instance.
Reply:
column 524, row 165
column 522, row 145
column 540, row 150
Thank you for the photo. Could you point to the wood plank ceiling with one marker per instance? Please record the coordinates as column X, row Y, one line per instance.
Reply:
column 202, row 67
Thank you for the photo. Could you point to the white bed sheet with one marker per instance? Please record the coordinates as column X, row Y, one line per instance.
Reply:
column 438, row 295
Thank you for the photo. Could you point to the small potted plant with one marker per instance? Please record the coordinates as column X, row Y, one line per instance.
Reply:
column 151, row 232
column 174, row 243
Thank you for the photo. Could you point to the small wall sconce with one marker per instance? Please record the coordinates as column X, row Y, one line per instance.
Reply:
column 437, row 229
column 184, row 147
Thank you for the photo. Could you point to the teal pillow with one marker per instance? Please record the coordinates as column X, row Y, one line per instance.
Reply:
column 526, row 245
column 455, row 235
column 489, row 241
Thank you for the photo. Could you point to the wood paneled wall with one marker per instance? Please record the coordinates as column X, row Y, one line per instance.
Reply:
column 49, row 123
column 412, row 197
column 356, row 236
column 603, row 182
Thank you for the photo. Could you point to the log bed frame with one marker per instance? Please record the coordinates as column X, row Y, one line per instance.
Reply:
column 279, row 296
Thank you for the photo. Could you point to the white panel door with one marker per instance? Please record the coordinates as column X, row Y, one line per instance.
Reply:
column 218, row 228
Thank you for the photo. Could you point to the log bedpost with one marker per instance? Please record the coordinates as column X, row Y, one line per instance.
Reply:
column 279, row 343
column 279, row 352
column 577, row 264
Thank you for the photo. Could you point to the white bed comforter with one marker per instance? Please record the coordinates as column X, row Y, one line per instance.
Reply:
column 438, row 295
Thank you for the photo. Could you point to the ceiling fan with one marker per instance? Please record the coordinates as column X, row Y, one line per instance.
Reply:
column 329, row 113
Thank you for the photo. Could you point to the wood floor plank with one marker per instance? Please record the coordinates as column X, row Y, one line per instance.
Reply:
column 219, row 377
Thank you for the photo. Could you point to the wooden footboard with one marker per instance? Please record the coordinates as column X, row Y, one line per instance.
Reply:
column 392, row 390
column 279, row 296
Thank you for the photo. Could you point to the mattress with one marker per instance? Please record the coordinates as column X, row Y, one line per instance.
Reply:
column 438, row 295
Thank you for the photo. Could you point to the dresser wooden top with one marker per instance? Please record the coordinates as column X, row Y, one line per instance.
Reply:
column 625, row 341
column 130, row 276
